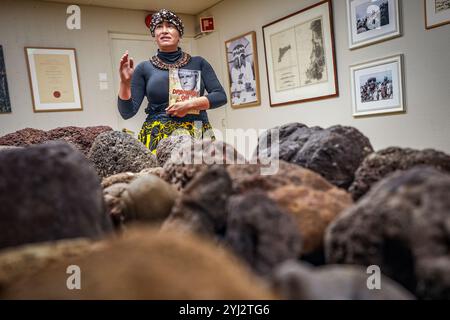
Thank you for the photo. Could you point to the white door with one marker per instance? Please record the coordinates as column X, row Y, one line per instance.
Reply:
column 140, row 48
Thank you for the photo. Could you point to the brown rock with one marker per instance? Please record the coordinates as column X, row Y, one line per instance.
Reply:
column 313, row 210
column 147, row 264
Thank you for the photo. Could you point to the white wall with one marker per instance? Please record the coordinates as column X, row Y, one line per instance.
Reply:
column 33, row 23
column 427, row 72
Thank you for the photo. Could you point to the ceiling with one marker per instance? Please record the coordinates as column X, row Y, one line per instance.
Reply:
column 192, row 7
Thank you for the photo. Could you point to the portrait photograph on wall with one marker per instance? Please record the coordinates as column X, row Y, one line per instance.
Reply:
column 5, row 103
column 377, row 87
column 243, row 74
column 300, row 56
column 372, row 21
column 437, row 13
column 54, row 82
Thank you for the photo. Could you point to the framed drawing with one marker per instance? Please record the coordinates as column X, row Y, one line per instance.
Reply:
column 243, row 74
column 437, row 13
column 300, row 56
column 371, row 21
column 54, row 82
column 5, row 103
column 377, row 86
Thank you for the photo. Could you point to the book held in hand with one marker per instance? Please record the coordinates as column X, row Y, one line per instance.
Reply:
column 184, row 84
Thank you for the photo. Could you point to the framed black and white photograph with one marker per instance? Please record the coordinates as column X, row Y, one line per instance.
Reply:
column 243, row 74
column 377, row 86
column 5, row 103
column 300, row 56
column 437, row 13
column 372, row 21
column 53, row 76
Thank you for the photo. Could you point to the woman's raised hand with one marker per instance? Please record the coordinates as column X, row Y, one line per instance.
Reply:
column 126, row 68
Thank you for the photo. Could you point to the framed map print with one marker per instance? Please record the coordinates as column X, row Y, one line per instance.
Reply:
column 300, row 56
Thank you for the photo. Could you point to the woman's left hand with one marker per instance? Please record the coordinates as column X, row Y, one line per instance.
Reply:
column 179, row 109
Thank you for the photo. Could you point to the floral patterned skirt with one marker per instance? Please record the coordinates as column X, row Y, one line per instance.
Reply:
column 154, row 131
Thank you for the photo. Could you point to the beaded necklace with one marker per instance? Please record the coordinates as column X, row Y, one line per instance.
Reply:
column 158, row 63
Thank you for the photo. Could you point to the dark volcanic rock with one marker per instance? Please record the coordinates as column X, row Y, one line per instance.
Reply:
column 115, row 152
column 260, row 232
column 335, row 153
column 202, row 206
column 171, row 144
column 49, row 192
column 196, row 157
column 297, row 281
column 80, row 138
column 381, row 163
column 403, row 226
column 24, row 137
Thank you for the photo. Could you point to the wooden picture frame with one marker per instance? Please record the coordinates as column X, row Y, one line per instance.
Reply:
column 300, row 56
column 243, row 71
column 437, row 13
column 53, row 77
column 372, row 21
column 377, row 86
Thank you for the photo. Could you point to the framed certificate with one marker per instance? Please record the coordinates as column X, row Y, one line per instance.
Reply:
column 54, row 82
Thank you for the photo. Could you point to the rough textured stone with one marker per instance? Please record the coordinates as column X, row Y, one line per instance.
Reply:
column 115, row 206
column 335, row 153
column 171, row 144
column 24, row 137
column 403, row 226
column 202, row 206
column 80, row 138
column 379, row 164
column 148, row 264
column 49, row 192
column 124, row 177
column 296, row 281
column 260, row 232
column 195, row 158
column 8, row 147
column 22, row 261
column 115, row 152
column 313, row 210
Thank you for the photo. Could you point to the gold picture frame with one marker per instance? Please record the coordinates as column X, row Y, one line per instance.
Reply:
column 53, row 78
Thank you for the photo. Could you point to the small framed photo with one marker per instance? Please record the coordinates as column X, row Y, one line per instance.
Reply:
column 300, row 56
column 5, row 103
column 437, row 13
column 371, row 21
column 377, row 87
column 243, row 74
column 53, row 76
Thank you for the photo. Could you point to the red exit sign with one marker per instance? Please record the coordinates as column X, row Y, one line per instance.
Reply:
column 207, row 24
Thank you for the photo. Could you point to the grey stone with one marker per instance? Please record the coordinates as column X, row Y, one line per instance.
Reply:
column 296, row 281
column 379, row 164
column 196, row 157
column 115, row 152
column 260, row 232
column 335, row 153
column 202, row 206
column 402, row 225
column 171, row 144
column 49, row 192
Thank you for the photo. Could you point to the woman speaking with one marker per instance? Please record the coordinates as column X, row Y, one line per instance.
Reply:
column 151, row 78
